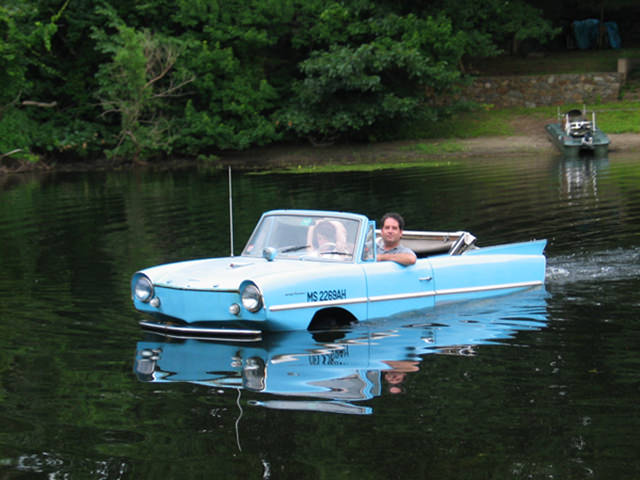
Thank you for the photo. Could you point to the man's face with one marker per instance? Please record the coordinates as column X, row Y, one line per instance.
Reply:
column 391, row 232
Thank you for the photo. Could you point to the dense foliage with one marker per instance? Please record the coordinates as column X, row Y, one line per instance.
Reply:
column 140, row 80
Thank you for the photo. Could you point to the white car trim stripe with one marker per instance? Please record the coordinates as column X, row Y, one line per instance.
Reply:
column 402, row 296
column 293, row 306
column 453, row 291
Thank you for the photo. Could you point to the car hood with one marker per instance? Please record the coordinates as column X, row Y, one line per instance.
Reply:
column 225, row 273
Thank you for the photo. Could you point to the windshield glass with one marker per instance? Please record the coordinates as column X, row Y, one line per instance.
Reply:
column 305, row 236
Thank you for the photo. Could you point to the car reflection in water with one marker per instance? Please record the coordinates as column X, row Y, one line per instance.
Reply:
column 329, row 371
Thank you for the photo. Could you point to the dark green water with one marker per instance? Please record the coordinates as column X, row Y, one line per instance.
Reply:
column 544, row 385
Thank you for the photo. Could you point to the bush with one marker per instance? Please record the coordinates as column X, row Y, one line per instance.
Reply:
column 16, row 134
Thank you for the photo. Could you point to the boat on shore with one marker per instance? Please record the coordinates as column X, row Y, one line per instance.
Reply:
column 575, row 133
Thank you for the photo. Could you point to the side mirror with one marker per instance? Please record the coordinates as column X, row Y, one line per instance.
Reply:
column 269, row 253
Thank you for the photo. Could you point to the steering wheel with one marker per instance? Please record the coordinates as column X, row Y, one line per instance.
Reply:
column 328, row 247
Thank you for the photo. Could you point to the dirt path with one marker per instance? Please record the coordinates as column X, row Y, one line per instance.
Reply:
column 533, row 141
column 540, row 143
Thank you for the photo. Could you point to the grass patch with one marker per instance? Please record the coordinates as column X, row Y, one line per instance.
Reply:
column 355, row 167
column 620, row 117
column 436, row 148
column 484, row 122
column 616, row 117
column 470, row 125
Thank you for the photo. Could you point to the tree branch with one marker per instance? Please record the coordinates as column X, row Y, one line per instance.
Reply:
column 16, row 150
column 39, row 104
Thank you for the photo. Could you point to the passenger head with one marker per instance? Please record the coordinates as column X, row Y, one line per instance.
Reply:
column 324, row 232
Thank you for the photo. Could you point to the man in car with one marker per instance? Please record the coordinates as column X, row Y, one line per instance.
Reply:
column 389, row 248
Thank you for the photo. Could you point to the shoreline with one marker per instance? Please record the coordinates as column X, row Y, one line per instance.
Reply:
column 371, row 153
column 307, row 155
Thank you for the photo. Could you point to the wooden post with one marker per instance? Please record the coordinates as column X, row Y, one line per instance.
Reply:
column 623, row 68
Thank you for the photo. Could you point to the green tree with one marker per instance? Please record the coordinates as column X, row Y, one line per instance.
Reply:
column 494, row 26
column 24, row 40
column 194, row 76
column 232, row 52
column 135, row 85
column 382, row 66
column 24, row 37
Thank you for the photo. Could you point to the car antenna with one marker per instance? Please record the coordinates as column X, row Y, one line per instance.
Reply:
column 230, row 213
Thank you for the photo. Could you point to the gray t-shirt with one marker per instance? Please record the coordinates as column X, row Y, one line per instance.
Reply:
column 398, row 249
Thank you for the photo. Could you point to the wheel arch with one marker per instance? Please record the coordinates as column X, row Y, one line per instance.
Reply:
column 331, row 317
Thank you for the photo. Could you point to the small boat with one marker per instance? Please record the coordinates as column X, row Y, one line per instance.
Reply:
column 575, row 133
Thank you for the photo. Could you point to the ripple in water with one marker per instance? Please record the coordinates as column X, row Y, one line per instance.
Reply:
column 608, row 265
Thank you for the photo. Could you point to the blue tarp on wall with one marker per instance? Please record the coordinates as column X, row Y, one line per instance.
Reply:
column 586, row 33
column 614, row 34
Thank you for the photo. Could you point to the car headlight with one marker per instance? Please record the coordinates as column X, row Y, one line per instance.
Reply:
column 143, row 289
column 251, row 297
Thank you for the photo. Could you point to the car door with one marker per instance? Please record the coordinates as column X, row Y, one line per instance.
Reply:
column 393, row 288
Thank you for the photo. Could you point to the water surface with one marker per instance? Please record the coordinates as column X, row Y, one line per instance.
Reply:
column 537, row 385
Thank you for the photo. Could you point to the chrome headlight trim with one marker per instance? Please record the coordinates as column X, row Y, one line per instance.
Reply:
column 251, row 297
column 143, row 289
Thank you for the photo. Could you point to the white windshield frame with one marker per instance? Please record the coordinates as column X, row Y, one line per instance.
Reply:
column 295, row 236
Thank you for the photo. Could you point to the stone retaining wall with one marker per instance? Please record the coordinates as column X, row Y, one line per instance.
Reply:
column 537, row 90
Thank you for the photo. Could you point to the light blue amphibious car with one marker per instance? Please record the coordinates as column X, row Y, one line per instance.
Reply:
column 287, row 279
